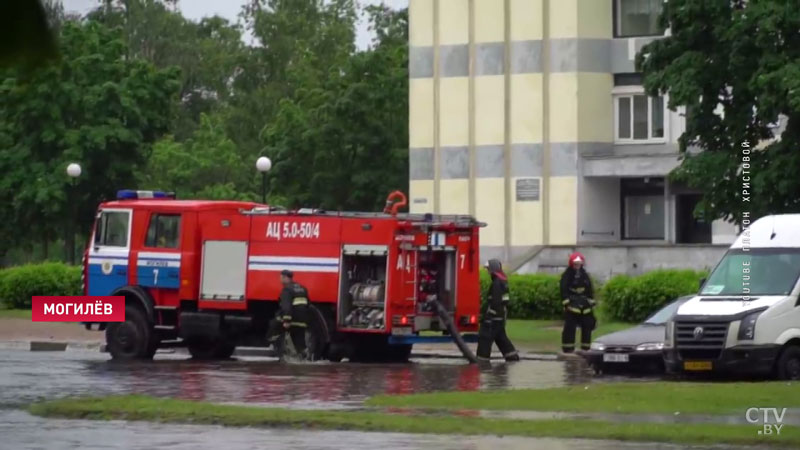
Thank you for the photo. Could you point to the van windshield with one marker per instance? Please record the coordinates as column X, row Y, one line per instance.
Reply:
column 755, row 272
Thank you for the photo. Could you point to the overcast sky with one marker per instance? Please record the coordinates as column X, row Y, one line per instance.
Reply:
column 229, row 9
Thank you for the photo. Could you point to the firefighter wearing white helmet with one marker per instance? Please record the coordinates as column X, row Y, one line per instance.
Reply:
column 493, row 324
column 578, row 300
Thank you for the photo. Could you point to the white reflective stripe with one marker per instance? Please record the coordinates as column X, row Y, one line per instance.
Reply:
column 505, row 297
column 160, row 255
column 113, row 261
column 293, row 268
column 300, row 260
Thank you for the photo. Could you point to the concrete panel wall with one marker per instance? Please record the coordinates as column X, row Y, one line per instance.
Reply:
column 606, row 261
column 489, row 193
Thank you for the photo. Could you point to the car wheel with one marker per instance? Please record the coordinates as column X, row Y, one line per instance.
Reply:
column 789, row 363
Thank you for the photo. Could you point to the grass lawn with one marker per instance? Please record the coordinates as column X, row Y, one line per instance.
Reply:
column 632, row 398
column 182, row 411
column 15, row 313
column 545, row 335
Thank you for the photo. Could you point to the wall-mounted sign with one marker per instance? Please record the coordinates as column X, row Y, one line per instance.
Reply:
column 528, row 190
column 418, row 201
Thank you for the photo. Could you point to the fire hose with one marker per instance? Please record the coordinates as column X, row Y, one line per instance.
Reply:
column 444, row 316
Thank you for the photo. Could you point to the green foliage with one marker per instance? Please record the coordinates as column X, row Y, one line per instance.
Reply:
column 207, row 165
column 92, row 106
column 19, row 284
column 344, row 133
column 736, row 66
column 533, row 296
column 633, row 299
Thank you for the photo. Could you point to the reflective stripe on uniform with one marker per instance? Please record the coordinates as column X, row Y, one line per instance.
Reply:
column 568, row 345
column 506, row 355
column 286, row 318
column 491, row 311
column 298, row 324
column 299, row 301
column 575, row 310
column 588, row 311
column 506, row 297
column 565, row 302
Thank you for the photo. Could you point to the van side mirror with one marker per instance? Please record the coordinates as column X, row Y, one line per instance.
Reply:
column 702, row 282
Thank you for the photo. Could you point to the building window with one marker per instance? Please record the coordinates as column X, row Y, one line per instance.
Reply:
column 637, row 18
column 163, row 231
column 639, row 118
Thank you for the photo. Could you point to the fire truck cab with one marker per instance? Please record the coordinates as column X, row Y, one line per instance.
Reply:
column 206, row 275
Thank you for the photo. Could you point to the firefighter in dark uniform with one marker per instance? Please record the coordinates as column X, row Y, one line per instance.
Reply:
column 578, row 300
column 493, row 325
column 292, row 315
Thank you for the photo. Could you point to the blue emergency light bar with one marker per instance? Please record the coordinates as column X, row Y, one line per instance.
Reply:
column 129, row 194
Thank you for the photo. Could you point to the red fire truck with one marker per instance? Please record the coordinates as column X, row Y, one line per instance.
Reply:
column 205, row 275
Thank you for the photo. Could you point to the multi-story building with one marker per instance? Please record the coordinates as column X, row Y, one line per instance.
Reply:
column 529, row 114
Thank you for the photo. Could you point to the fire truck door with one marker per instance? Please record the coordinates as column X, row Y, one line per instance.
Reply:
column 108, row 255
column 159, row 263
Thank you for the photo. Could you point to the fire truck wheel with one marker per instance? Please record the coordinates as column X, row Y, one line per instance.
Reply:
column 317, row 334
column 211, row 349
column 132, row 339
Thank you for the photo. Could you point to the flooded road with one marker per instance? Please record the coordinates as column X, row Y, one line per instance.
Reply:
column 26, row 377
column 29, row 376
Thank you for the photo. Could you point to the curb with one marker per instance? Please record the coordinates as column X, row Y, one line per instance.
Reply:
column 49, row 346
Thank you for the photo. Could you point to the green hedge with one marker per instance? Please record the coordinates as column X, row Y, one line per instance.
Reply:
column 19, row 284
column 623, row 298
column 633, row 299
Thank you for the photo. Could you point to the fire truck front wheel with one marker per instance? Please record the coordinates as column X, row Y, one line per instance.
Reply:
column 132, row 339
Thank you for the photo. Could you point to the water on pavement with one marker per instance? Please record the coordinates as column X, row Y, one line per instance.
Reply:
column 26, row 377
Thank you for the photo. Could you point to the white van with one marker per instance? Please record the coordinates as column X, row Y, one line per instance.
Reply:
column 746, row 317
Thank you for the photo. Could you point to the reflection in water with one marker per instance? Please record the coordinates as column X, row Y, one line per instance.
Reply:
column 28, row 376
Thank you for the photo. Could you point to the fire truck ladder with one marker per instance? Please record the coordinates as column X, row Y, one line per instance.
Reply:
column 404, row 257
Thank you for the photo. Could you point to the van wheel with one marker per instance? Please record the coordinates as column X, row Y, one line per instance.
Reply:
column 206, row 350
column 133, row 339
column 789, row 363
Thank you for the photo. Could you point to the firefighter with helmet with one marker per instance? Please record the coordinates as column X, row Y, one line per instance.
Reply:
column 292, row 315
column 578, row 300
column 493, row 325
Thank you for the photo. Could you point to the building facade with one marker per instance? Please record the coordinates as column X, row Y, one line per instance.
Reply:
column 529, row 115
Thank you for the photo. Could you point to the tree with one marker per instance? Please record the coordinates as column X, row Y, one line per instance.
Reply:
column 735, row 66
column 207, row 165
column 340, row 142
column 91, row 106
column 208, row 52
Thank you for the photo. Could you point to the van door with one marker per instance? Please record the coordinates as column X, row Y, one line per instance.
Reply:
column 110, row 250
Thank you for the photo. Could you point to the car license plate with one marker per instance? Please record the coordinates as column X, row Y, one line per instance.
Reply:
column 611, row 357
column 697, row 365
column 402, row 331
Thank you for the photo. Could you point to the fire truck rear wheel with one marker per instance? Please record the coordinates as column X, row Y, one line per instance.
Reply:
column 211, row 349
column 132, row 339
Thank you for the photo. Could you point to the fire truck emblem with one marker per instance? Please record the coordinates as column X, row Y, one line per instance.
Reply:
column 107, row 267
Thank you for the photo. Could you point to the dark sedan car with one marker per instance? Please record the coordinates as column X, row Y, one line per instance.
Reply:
column 637, row 348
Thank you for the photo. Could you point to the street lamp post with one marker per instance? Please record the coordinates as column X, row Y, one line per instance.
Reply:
column 263, row 164
column 73, row 172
